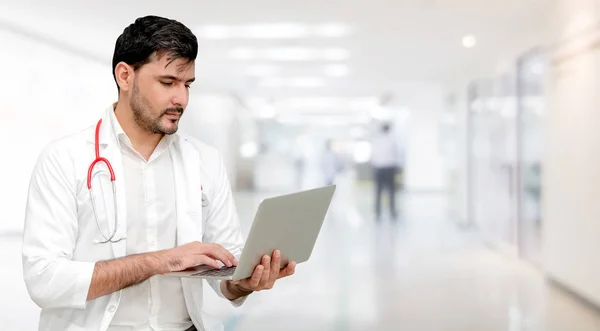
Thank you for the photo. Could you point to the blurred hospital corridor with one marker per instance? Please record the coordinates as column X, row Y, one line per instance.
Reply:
column 462, row 136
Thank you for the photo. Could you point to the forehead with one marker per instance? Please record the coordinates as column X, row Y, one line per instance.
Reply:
column 167, row 64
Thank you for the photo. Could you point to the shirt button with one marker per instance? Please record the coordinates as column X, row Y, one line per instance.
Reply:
column 112, row 308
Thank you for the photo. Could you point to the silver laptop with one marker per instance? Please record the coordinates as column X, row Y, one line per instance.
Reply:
column 290, row 223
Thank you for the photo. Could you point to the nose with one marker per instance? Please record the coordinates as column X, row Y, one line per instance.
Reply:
column 180, row 96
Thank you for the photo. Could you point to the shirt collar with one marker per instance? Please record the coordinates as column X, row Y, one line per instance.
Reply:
column 117, row 130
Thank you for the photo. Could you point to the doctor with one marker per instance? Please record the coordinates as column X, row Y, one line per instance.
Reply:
column 96, row 261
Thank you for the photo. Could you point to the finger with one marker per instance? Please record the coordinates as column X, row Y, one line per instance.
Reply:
column 227, row 254
column 256, row 276
column 220, row 253
column 203, row 259
column 266, row 263
column 275, row 264
column 289, row 270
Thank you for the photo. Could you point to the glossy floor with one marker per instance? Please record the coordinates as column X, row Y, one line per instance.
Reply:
column 419, row 273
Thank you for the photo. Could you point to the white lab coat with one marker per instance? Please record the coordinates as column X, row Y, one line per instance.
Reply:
column 58, row 244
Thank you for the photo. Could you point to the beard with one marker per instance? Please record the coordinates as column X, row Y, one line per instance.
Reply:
column 142, row 114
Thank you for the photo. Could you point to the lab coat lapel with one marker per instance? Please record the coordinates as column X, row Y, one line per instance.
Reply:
column 188, row 191
column 188, row 188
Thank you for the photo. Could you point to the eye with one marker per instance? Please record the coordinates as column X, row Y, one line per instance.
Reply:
column 167, row 83
column 188, row 86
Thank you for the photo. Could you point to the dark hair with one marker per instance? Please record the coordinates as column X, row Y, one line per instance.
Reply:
column 151, row 35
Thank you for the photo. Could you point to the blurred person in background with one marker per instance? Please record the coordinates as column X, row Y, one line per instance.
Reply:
column 331, row 163
column 93, row 265
column 386, row 162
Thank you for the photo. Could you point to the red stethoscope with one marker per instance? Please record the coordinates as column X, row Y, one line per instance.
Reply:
column 90, row 177
column 111, row 172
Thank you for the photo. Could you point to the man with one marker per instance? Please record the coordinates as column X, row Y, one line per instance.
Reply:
column 385, row 161
column 330, row 163
column 94, row 263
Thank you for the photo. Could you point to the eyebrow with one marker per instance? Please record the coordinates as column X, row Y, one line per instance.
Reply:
column 175, row 78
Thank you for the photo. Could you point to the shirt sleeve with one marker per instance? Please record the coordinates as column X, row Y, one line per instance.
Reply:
column 222, row 224
column 52, row 278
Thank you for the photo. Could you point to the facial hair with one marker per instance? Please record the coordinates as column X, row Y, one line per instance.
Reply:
column 142, row 114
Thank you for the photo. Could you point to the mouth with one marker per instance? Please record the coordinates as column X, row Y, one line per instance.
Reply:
column 173, row 116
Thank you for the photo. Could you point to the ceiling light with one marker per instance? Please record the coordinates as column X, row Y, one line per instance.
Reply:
column 274, row 31
column 337, row 70
column 295, row 82
column 290, row 54
column 214, row 32
column 469, row 41
column 262, row 70
column 281, row 30
column 317, row 120
column 242, row 54
column 271, row 82
column 254, row 31
column 306, row 82
column 329, row 104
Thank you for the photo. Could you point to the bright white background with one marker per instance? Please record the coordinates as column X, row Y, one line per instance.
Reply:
column 46, row 93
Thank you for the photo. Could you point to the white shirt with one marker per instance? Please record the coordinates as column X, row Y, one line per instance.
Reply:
column 157, row 303
column 385, row 151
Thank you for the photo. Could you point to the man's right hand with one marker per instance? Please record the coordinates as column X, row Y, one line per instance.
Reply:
column 196, row 253
column 114, row 275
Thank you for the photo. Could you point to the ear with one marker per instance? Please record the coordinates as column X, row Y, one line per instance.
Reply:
column 124, row 74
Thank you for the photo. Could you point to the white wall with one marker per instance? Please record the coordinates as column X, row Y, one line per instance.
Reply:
column 571, row 173
column 45, row 93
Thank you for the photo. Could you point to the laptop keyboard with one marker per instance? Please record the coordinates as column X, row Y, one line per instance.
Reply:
column 223, row 272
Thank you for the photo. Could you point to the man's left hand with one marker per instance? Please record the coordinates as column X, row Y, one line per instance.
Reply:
column 265, row 274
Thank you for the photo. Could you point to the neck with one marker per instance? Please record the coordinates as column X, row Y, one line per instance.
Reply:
column 143, row 142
